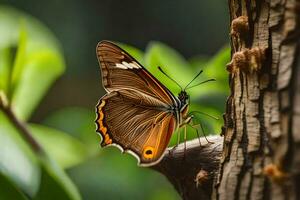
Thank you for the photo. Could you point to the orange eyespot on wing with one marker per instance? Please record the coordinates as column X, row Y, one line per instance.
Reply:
column 158, row 140
column 148, row 152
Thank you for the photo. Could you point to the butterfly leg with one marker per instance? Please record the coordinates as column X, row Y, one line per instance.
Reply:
column 197, row 132
column 201, row 127
column 185, row 138
column 178, row 138
column 178, row 141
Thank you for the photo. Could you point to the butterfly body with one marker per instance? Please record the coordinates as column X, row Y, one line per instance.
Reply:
column 138, row 114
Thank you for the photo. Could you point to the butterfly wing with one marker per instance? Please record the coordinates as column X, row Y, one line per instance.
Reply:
column 121, row 71
column 137, row 114
column 137, row 123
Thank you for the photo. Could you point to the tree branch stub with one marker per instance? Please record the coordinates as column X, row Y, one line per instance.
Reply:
column 193, row 172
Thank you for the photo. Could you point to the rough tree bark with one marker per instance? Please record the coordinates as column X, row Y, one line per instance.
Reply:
column 261, row 134
column 260, row 155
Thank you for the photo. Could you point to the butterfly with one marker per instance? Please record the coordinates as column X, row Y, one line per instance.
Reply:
column 138, row 114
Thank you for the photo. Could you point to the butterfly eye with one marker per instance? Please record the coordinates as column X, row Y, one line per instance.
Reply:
column 148, row 152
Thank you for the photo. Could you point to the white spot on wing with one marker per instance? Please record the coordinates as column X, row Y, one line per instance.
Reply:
column 118, row 65
column 135, row 65
column 125, row 65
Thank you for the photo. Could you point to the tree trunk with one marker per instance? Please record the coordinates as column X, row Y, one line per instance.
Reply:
column 261, row 153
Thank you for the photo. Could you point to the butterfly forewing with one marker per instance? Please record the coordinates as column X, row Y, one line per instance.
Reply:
column 121, row 71
column 137, row 114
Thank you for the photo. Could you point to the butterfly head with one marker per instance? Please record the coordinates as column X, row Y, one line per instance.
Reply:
column 183, row 97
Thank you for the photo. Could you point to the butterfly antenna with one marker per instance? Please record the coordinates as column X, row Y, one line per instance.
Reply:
column 209, row 80
column 193, row 79
column 213, row 117
column 160, row 69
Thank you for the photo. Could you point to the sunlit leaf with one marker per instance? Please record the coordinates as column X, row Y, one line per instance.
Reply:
column 20, row 58
column 38, row 59
column 199, row 62
column 216, row 66
column 41, row 70
column 66, row 150
column 17, row 161
column 159, row 54
column 12, row 21
column 5, row 68
column 55, row 184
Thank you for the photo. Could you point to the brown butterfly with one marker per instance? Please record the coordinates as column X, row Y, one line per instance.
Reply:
column 138, row 114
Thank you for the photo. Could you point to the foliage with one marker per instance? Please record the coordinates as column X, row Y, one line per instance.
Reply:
column 30, row 61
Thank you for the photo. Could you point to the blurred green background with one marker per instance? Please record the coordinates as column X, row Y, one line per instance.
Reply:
column 50, row 79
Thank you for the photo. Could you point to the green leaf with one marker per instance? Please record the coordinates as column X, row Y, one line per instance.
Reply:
column 20, row 58
column 41, row 71
column 55, row 184
column 212, row 68
column 67, row 151
column 5, row 63
column 17, row 161
column 134, row 52
column 159, row 54
column 8, row 190
column 199, row 62
column 38, row 62
column 78, row 122
column 216, row 66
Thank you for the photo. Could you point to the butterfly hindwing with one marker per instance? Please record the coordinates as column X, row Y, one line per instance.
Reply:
column 142, row 126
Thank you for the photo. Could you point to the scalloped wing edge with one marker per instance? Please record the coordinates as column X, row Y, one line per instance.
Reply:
column 115, row 144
